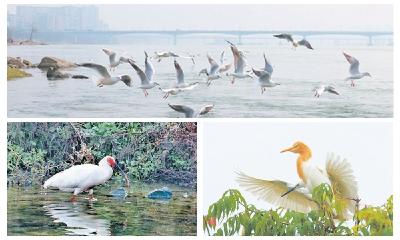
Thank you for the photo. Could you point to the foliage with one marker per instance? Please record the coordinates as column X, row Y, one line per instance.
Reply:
column 39, row 150
column 232, row 215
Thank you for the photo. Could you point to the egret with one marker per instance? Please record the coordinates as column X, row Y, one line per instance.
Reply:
column 337, row 173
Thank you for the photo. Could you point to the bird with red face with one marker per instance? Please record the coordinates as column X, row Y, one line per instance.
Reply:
column 83, row 178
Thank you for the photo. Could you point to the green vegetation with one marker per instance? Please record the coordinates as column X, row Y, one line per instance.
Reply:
column 146, row 151
column 232, row 215
column 16, row 73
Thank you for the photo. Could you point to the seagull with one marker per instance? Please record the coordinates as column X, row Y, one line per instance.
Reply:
column 106, row 79
column 113, row 63
column 264, row 80
column 323, row 88
column 160, row 55
column 223, row 67
column 289, row 38
column 180, row 78
column 146, row 80
column 170, row 91
column 239, row 62
column 190, row 112
column 212, row 73
column 354, row 69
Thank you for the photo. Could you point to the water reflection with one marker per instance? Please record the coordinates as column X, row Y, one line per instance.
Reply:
column 77, row 219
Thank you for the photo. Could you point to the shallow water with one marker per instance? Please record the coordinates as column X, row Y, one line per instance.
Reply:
column 31, row 211
column 299, row 71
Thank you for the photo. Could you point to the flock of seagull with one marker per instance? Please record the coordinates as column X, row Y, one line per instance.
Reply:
column 214, row 72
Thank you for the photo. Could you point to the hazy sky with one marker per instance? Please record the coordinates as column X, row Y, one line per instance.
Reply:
column 254, row 148
column 255, row 17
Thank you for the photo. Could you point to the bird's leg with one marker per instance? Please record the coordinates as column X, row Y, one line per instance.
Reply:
column 290, row 190
column 352, row 83
column 91, row 197
column 73, row 198
column 145, row 92
column 233, row 80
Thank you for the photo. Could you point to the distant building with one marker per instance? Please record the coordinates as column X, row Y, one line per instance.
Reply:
column 66, row 18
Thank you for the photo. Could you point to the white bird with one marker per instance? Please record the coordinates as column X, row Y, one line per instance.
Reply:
column 160, row 55
column 112, row 57
column 239, row 63
column 264, row 80
column 354, row 69
column 106, row 78
column 190, row 112
column 81, row 178
column 324, row 88
column 337, row 173
column 145, row 80
column 212, row 73
column 289, row 38
column 180, row 78
column 170, row 91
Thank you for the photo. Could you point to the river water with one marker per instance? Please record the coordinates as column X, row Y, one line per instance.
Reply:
column 31, row 211
column 298, row 71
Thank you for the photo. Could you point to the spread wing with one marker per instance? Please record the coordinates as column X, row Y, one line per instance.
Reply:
column 188, row 111
column 143, row 78
column 206, row 109
column 354, row 64
column 267, row 66
column 343, row 181
column 271, row 192
column 180, row 77
column 213, row 65
column 98, row 68
column 149, row 69
column 110, row 54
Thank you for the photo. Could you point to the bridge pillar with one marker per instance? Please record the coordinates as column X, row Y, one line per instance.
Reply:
column 240, row 39
column 369, row 40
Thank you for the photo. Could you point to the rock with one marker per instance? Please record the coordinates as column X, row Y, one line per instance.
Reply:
column 16, row 73
column 27, row 63
column 119, row 193
column 47, row 62
column 54, row 74
column 163, row 194
column 15, row 62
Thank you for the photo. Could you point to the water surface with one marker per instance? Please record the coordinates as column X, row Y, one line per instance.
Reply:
column 31, row 211
column 299, row 71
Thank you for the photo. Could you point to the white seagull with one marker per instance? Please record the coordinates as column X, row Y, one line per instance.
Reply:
column 112, row 57
column 239, row 63
column 190, row 112
column 354, row 69
column 212, row 73
column 145, row 77
column 324, row 88
column 264, row 76
column 106, row 78
column 160, row 55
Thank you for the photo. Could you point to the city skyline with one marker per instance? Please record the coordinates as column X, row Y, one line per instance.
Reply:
column 221, row 17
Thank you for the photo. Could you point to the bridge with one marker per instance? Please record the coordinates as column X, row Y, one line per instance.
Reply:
column 76, row 35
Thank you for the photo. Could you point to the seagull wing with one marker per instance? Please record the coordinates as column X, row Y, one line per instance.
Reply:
column 271, row 192
column 206, row 109
column 267, row 66
column 305, row 43
column 99, row 68
column 354, row 64
column 343, row 181
column 213, row 65
column 180, row 77
column 331, row 89
column 110, row 54
column 189, row 112
column 143, row 77
column 149, row 69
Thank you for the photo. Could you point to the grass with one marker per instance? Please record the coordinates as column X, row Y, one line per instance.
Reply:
column 13, row 73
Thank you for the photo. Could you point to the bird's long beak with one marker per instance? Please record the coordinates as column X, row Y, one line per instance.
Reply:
column 287, row 149
column 127, row 183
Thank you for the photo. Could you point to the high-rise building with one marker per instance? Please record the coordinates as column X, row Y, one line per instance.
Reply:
column 66, row 18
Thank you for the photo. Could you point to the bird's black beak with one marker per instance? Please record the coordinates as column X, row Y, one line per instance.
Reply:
column 127, row 183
